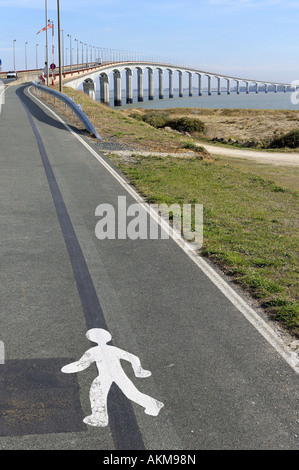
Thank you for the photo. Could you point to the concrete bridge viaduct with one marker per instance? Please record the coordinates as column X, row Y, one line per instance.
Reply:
column 104, row 72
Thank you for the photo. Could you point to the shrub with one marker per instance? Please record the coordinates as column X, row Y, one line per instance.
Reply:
column 156, row 120
column 290, row 140
column 136, row 116
column 192, row 146
column 186, row 124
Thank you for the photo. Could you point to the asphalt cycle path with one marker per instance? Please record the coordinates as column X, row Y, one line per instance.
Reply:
column 118, row 344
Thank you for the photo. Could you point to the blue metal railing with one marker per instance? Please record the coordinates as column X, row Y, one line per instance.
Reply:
column 74, row 107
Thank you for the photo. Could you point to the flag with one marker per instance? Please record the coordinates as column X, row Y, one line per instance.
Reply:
column 48, row 27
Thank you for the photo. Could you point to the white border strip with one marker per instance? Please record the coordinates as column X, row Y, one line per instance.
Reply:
column 2, row 93
column 264, row 329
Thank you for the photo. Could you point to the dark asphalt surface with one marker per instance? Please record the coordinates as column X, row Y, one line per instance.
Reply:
column 8, row 80
column 222, row 384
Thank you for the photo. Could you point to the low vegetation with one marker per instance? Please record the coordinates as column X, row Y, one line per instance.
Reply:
column 289, row 140
column 181, row 124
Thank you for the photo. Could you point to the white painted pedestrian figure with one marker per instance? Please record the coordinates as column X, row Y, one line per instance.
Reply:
column 107, row 359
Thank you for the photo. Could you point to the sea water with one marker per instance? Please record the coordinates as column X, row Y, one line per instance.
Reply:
column 261, row 100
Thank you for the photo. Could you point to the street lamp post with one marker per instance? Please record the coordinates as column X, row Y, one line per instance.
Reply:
column 51, row 25
column 63, row 56
column 86, row 55
column 71, row 54
column 36, row 57
column 77, row 52
column 14, row 54
column 26, row 54
column 82, row 54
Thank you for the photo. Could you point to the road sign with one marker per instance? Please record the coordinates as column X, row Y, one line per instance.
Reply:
column 52, row 66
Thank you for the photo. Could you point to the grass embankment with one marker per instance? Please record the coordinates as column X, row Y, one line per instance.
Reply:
column 117, row 126
column 250, row 222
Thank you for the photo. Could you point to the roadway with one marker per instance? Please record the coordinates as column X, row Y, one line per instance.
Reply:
column 223, row 385
column 8, row 80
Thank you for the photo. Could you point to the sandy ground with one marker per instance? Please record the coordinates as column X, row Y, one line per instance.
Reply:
column 281, row 159
column 274, row 158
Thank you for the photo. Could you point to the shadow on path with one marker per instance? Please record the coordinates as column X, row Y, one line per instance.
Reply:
column 41, row 114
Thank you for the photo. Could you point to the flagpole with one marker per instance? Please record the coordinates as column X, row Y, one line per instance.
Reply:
column 59, row 46
column 53, row 47
column 51, row 22
column 47, row 55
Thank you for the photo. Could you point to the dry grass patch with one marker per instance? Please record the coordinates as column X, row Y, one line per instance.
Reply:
column 237, row 124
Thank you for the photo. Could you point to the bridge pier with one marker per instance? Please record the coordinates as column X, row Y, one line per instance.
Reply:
column 238, row 87
column 88, row 88
column 266, row 87
column 140, row 84
column 150, row 84
column 247, row 88
column 256, row 87
column 190, row 84
column 104, row 89
column 180, row 84
column 209, row 85
column 117, row 88
column 275, row 88
column 219, row 85
column 228, row 86
column 170, row 83
column 129, row 86
column 199, row 85
column 161, row 85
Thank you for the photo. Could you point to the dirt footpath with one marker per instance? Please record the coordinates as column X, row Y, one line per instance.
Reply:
column 275, row 158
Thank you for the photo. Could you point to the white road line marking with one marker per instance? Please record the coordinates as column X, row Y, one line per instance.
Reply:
column 264, row 329
column 2, row 97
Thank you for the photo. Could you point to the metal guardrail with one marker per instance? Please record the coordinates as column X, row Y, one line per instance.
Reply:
column 74, row 107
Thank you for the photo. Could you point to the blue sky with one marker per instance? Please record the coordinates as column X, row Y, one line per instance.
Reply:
column 257, row 39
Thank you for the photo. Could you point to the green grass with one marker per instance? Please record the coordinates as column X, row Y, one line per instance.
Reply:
column 250, row 223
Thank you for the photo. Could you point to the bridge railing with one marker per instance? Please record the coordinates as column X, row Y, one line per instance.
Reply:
column 72, row 105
